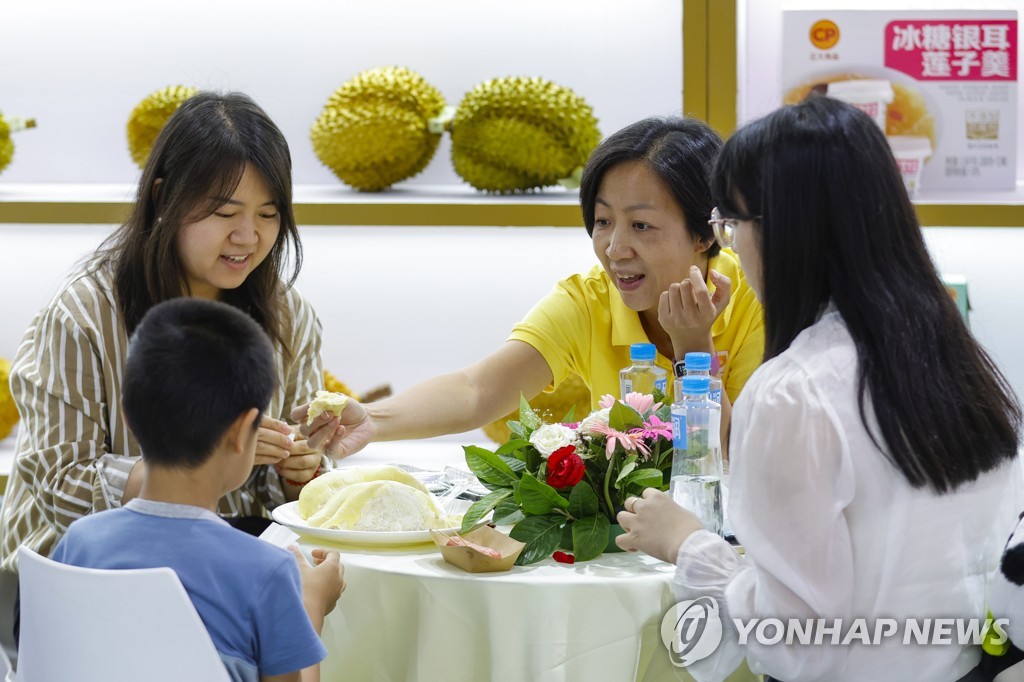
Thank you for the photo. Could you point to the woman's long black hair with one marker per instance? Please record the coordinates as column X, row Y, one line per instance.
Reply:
column 201, row 154
column 836, row 224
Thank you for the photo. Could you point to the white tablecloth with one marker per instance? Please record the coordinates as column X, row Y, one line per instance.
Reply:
column 409, row 616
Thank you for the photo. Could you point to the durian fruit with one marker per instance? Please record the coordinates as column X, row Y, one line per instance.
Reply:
column 571, row 393
column 382, row 506
column 375, row 130
column 336, row 385
column 7, row 126
column 315, row 497
column 8, row 410
column 516, row 134
column 149, row 116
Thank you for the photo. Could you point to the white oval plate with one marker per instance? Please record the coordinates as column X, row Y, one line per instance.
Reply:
column 288, row 515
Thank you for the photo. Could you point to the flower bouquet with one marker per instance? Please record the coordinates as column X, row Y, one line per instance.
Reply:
column 571, row 479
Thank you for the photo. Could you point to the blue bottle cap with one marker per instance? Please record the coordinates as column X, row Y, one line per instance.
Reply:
column 642, row 351
column 697, row 362
column 696, row 385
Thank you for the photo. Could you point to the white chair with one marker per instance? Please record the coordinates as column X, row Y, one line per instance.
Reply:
column 110, row 625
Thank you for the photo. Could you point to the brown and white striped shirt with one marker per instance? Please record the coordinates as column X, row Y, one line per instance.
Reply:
column 74, row 450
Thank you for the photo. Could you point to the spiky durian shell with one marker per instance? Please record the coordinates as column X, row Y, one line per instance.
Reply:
column 6, row 144
column 373, row 131
column 8, row 410
column 551, row 407
column 149, row 116
column 518, row 133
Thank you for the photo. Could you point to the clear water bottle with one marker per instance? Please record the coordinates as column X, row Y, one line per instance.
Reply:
column 699, row 364
column 642, row 375
column 697, row 452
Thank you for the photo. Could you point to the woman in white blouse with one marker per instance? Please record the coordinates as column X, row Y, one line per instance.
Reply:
column 874, row 451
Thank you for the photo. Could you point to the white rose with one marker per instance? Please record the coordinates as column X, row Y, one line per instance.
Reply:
column 550, row 437
column 598, row 417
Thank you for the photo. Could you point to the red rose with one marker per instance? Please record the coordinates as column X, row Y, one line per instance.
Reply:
column 565, row 468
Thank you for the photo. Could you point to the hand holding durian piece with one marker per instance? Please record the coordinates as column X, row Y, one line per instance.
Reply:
column 508, row 134
column 149, row 117
column 8, row 125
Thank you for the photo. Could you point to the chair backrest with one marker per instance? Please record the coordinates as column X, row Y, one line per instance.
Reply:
column 110, row 625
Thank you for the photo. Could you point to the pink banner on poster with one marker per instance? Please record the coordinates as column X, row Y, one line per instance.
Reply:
column 951, row 50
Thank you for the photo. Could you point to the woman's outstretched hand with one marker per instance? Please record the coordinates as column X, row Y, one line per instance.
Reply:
column 337, row 437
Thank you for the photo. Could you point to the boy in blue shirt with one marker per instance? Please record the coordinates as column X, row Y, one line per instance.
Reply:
column 198, row 377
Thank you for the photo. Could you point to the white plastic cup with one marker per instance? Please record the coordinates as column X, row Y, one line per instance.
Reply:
column 873, row 97
column 910, row 151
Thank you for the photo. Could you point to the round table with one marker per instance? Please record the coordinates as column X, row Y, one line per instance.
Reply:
column 409, row 616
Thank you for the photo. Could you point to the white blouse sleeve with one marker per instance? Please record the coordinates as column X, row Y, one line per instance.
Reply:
column 791, row 481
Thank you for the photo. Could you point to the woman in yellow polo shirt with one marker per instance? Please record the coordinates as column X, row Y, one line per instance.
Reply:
column 662, row 279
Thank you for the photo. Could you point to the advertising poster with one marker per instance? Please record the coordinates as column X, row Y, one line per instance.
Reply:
column 942, row 84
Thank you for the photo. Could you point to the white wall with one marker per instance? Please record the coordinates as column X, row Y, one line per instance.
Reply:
column 81, row 67
column 399, row 305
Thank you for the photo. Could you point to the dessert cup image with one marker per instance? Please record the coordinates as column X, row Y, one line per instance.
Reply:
column 908, row 113
column 981, row 124
column 911, row 152
column 870, row 95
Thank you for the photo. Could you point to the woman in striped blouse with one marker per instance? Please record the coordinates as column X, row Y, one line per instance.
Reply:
column 212, row 219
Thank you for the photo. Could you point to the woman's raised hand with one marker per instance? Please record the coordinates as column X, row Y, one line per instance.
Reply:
column 688, row 309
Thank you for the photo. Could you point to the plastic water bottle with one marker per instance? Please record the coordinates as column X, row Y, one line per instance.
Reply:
column 697, row 452
column 642, row 375
column 699, row 364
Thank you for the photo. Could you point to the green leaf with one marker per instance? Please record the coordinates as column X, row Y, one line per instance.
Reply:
column 527, row 416
column 518, row 430
column 537, row 497
column 541, row 535
column 627, row 466
column 622, row 417
column 568, row 418
column 512, row 446
column 582, row 500
column 589, row 537
column 507, row 513
column 488, row 467
column 644, row 478
column 664, row 413
column 479, row 509
column 516, row 465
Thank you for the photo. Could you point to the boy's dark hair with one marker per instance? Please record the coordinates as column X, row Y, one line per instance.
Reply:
column 836, row 225
column 680, row 151
column 193, row 367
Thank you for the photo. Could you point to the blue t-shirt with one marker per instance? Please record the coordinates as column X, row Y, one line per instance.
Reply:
column 247, row 592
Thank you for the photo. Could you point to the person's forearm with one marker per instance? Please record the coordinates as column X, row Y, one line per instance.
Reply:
column 726, row 422
column 449, row 403
column 693, row 343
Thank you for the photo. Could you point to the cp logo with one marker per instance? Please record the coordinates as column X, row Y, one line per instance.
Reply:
column 824, row 34
column 691, row 630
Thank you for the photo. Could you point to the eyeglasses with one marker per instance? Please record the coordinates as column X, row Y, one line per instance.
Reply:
column 725, row 228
